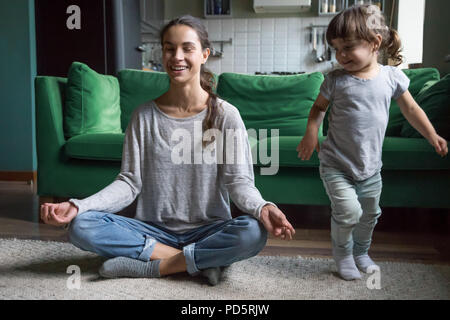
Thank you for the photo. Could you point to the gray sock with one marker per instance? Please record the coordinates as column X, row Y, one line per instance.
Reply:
column 129, row 268
column 213, row 275
column 347, row 268
column 364, row 262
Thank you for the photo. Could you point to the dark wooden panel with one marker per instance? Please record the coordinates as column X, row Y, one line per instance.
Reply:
column 18, row 176
column 57, row 46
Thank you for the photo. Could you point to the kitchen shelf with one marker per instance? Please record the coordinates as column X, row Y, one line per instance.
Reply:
column 331, row 7
column 214, row 9
column 325, row 6
column 380, row 3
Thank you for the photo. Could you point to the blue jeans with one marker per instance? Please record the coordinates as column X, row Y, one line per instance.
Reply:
column 217, row 244
column 354, row 210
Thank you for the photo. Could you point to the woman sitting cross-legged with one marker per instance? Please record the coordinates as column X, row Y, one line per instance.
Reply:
column 183, row 220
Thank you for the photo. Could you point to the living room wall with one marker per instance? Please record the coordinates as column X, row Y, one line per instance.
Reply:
column 436, row 42
column 17, row 73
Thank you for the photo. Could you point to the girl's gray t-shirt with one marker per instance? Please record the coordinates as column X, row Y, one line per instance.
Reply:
column 358, row 118
column 180, row 185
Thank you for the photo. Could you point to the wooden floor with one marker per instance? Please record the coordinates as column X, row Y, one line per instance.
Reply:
column 409, row 235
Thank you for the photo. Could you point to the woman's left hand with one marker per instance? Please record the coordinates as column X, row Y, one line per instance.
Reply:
column 440, row 145
column 276, row 223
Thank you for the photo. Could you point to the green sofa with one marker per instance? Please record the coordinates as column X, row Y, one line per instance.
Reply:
column 413, row 174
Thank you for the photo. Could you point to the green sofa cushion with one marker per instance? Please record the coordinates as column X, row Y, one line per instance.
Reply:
column 288, row 156
column 418, row 78
column 398, row 154
column 104, row 146
column 411, row 154
column 427, row 86
column 435, row 101
column 92, row 102
column 137, row 87
column 272, row 102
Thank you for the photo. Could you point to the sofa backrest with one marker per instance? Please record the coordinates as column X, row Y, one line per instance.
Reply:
column 272, row 102
column 137, row 87
column 418, row 78
column 265, row 102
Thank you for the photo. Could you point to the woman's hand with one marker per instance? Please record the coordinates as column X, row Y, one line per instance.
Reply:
column 306, row 147
column 276, row 223
column 440, row 145
column 58, row 214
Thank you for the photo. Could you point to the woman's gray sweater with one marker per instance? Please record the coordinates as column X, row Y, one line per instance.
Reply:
column 180, row 184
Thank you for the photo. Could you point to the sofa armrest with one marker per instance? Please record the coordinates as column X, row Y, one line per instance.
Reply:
column 50, row 94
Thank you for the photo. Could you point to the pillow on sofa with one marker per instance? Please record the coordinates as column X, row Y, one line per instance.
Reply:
column 92, row 102
column 137, row 87
column 427, row 86
column 272, row 102
column 418, row 78
column 435, row 101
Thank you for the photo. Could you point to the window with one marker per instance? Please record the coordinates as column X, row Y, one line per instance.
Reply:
column 411, row 15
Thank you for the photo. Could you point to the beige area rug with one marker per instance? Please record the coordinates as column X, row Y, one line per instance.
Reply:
column 32, row 269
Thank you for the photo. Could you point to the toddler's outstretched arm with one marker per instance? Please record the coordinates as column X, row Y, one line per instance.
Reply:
column 311, row 141
column 419, row 120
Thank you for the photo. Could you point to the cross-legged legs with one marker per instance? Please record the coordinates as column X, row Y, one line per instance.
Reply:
column 214, row 245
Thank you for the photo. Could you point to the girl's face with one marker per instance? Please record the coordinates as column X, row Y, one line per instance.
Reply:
column 182, row 53
column 354, row 54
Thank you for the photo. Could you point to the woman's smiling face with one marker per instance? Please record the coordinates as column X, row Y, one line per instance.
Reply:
column 183, row 54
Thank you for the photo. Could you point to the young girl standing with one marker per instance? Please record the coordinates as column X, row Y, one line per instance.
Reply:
column 359, row 96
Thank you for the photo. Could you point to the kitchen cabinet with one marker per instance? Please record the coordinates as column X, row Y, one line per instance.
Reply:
column 215, row 9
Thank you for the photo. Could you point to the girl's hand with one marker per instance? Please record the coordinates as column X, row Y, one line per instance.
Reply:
column 306, row 147
column 440, row 145
column 58, row 214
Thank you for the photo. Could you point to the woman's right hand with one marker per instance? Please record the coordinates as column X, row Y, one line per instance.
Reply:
column 58, row 214
column 306, row 147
